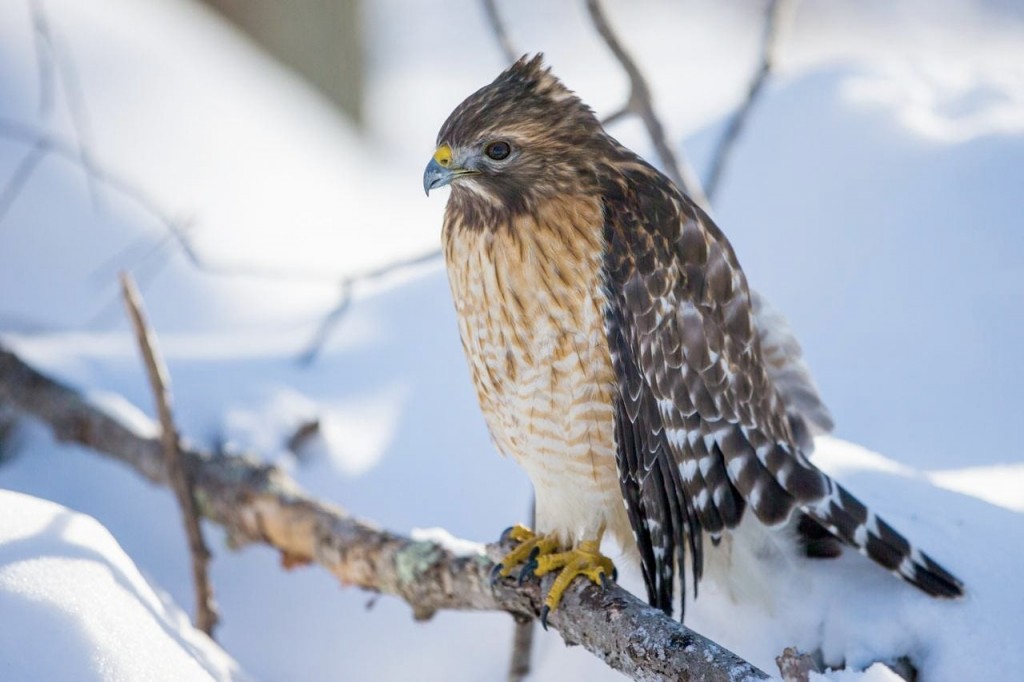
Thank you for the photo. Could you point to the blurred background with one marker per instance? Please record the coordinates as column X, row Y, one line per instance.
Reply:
column 257, row 165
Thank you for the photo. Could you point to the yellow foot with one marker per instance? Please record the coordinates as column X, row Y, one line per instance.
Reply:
column 585, row 560
column 538, row 556
column 530, row 547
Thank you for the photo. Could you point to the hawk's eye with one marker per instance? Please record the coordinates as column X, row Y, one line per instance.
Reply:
column 498, row 150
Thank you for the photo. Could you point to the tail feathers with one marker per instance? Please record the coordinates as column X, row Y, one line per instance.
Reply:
column 847, row 518
column 818, row 542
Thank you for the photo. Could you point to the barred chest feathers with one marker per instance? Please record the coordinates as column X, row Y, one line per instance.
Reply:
column 531, row 313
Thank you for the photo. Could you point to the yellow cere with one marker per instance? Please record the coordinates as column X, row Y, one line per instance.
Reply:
column 443, row 156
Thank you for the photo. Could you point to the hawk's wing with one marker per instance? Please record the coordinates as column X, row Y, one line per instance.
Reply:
column 700, row 426
column 783, row 359
column 702, row 430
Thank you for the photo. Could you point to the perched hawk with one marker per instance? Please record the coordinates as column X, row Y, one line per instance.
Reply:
column 620, row 357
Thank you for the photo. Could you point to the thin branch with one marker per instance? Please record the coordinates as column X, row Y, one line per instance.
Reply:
column 327, row 325
column 640, row 103
column 499, row 30
column 345, row 287
column 796, row 666
column 176, row 229
column 54, row 63
column 62, row 148
column 260, row 503
column 775, row 15
column 7, row 429
column 180, row 481
column 616, row 116
column 43, row 44
column 522, row 648
column 522, row 636
column 20, row 176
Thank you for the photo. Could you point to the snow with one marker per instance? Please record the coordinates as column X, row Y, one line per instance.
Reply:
column 874, row 199
column 76, row 607
column 443, row 537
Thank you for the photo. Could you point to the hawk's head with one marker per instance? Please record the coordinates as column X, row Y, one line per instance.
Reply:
column 513, row 142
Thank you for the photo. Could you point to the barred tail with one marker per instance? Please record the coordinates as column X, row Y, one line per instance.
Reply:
column 848, row 519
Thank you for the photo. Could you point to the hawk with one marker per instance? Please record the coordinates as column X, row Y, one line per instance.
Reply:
column 620, row 358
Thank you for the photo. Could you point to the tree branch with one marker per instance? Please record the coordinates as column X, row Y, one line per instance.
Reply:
column 53, row 63
column 259, row 503
column 640, row 103
column 345, row 287
column 796, row 666
column 773, row 20
column 522, row 636
column 499, row 30
column 21, row 175
column 180, row 481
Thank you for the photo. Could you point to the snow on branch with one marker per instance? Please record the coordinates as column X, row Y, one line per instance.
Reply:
column 257, row 502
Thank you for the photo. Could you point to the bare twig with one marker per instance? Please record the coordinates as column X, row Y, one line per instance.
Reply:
column 307, row 431
column 796, row 666
column 522, row 648
column 640, row 103
column 176, row 229
column 7, row 430
column 616, row 116
column 775, row 15
column 20, row 176
column 178, row 476
column 522, row 636
column 43, row 44
column 327, row 324
column 49, row 143
column 259, row 503
column 345, row 288
column 500, row 32
column 42, row 143
column 56, row 68
column 54, row 64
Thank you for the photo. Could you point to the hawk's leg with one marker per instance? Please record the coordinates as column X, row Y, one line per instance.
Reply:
column 539, row 556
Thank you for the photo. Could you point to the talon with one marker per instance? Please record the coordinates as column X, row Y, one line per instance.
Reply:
column 517, row 533
column 538, row 555
column 615, row 574
column 496, row 573
column 528, row 568
column 526, row 552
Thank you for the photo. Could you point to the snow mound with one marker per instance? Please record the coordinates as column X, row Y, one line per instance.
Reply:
column 75, row 607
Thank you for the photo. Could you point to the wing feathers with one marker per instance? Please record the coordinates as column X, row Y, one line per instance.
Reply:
column 717, row 407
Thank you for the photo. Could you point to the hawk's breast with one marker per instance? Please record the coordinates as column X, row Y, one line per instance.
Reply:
column 531, row 312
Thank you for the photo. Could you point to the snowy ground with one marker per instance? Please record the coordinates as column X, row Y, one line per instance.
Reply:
column 875, row 199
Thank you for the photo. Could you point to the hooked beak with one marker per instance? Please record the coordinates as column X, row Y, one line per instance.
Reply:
column 442, row 169
column 436, row 176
